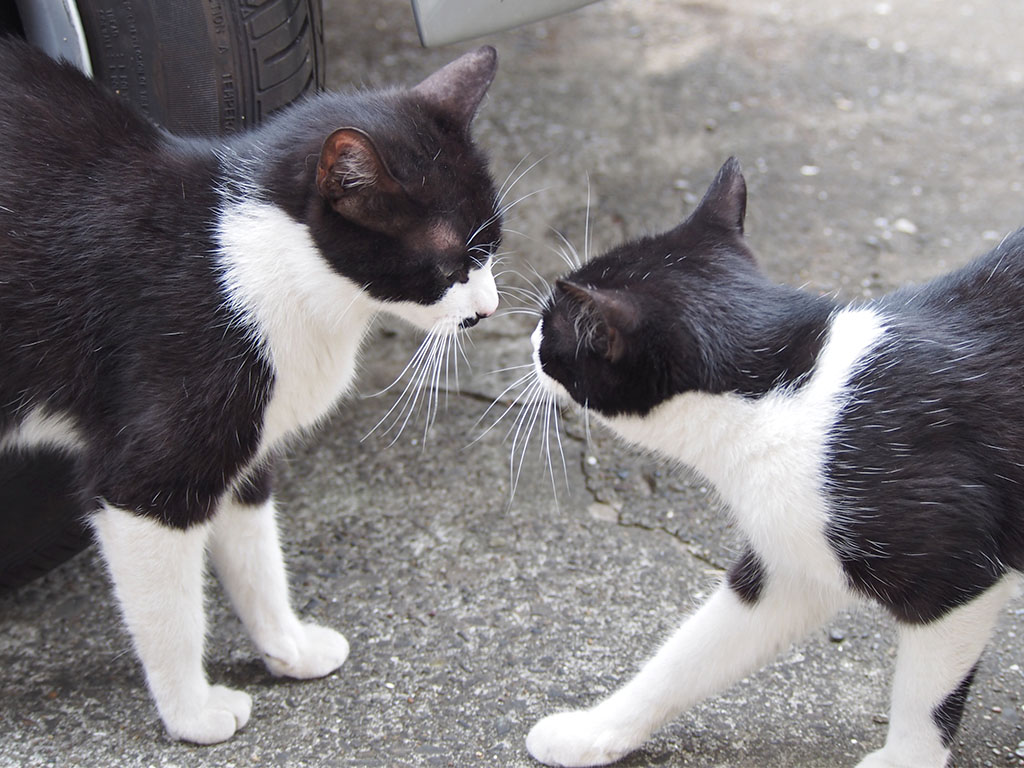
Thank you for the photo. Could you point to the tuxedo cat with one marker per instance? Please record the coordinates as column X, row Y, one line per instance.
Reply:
column 872, row 450
column 173, row 310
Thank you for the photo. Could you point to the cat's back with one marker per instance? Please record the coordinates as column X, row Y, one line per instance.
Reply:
column 983, row 301
column 54, row 117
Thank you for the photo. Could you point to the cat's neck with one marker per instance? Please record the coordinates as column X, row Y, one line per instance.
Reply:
column 769, row 338
column 307, row 319
column 777, row 441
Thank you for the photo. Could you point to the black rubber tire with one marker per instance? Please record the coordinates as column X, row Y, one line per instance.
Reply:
column 200, row 67
column 42, row 518
column 207, row 66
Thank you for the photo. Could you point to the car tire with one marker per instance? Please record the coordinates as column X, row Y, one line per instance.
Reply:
column 206, row 67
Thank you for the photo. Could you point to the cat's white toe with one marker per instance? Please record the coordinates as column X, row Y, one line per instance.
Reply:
column 224, row 712
column 311, row 651
column 574, row 740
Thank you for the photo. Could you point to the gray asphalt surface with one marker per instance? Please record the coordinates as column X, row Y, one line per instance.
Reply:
column 883, row 143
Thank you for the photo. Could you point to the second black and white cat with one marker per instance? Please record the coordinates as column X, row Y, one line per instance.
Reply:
column 172, row 311
column 871, row 450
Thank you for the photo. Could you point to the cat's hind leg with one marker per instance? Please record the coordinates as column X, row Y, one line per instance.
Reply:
column 247, row 557
column 934, row 669
column 744, row 624
column 158, row 575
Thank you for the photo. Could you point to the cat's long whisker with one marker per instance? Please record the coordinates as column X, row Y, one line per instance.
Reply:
column 544, row 281
column 504, row 188
column 572, row 258
column 421, row 377
column 546, row 439
column 533, row 411
column 575, row 262
column 434, row 389
column 533, row 292
column 506, row 369
column 558, row 437
column 461, row 350
column 586, row 226
column 415, row 363
column 426, row 366
column 520, row 311
column 529, row 395
column 507, row 207
column 510, row 187
column 517, row 383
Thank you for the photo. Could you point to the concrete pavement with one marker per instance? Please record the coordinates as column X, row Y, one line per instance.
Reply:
column 883, row 143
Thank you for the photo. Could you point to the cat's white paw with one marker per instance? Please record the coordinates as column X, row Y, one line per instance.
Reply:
column 576, row 739
column 311, row 651
column 224, row 712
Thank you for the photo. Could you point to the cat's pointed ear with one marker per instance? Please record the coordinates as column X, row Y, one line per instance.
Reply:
column 349, row 164
column 617, row 314
column 459, row 87
column 725, row 203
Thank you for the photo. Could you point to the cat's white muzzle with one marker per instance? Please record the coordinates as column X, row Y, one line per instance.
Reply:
column 463, row 305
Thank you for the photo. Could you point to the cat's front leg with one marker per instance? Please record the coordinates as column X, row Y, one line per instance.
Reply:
column 740, row 628
column 934, row 670
column 247, row 556
column 158, row 575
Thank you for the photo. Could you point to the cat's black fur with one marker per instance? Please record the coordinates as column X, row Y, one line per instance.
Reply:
column 922, row 476
column 689, row 309
column 926, row 467
column 110, row 305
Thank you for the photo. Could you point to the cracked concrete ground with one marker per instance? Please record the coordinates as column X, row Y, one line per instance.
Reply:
column 883, row 143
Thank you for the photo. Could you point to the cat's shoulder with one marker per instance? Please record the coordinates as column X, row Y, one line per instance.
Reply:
column 990, row 283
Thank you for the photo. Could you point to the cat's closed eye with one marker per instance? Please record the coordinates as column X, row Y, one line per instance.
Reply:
column 457, row 275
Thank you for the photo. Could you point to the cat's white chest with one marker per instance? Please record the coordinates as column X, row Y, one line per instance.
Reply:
column 311, row 375
column 308, row 320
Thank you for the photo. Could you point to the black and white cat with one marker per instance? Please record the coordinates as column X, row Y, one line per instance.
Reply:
column 871, row 450
column 173, row 310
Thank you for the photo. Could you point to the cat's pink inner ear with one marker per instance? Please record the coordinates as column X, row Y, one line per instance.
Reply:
column 616, row 310
column 350, row 162
column 459, row 87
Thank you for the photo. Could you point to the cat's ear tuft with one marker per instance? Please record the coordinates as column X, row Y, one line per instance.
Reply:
column 616, row 315
column 459, row 87
column 350, row 163
column 725, row 203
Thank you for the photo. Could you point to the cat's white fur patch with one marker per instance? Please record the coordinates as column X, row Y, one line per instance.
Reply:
column 765, row 455
column 43, row 429
column 308, row 319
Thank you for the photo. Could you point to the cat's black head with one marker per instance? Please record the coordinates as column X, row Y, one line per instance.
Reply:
column 399, row 199
column 679, row 312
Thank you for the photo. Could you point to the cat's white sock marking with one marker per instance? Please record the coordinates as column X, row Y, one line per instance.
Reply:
column 723, row 641
column 933, row 660
column 247, row 557
column 158, row 579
